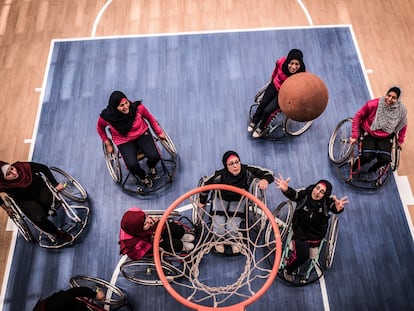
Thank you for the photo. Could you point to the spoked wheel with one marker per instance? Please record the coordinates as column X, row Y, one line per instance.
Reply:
column 331, row 240
column 283, row 214
column 168, row 144
column 395, row 155
column 17, row 217
column 73, row 189
column 143, row 272
column 197, row 214
column 261, row 195
column 113, row 295
column 339, row 148
column 296, row 128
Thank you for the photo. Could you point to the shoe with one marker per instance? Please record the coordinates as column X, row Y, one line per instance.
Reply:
column 288, row 276
column 154, row 174
column 147, row 182
column 219, row 248
column 235, row 249
column 188, row 238
column 251, row 127
column 64, row 236
column 257, row 133
column 187, row 246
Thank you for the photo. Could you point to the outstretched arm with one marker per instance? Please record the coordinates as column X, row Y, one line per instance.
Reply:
column 340, row 203
column 281, row 183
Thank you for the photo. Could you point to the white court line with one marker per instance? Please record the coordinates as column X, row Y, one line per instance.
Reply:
column 98, row 17
column 305, row 11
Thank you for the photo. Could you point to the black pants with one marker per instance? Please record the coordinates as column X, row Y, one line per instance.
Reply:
column 376, row 148
column 171, row 237
column 267, row 106
column 302, row 253
column 37, row 210
column 129, row 151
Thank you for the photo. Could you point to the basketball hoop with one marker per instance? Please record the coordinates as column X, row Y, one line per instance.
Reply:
column 197, row 288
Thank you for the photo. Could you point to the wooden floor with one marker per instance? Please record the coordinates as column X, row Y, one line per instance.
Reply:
column 382, row 31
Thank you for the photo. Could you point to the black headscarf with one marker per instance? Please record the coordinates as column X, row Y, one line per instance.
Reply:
column 293, row 54
column 120, row 121
column 319, row 203
column 228, row 178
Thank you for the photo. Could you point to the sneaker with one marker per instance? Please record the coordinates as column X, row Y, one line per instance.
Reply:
column 257, row 133
column 147, row 182
column 154, row 174
column 188, row 238
column 64, row 236
column 219, row 248
column 251, row 127
column 288, row 276
column 235, row 249
column 187, row 246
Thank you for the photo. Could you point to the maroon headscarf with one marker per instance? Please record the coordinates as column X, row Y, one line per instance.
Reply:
column 24, row 180
column 133, row 223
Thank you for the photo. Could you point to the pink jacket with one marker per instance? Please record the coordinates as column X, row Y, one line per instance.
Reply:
column 140, row 249
column 364, row 118
column 278, row 75
column 139, row 127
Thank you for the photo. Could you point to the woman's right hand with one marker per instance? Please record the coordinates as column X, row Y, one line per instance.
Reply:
column 109, row 147
column 282, row 183
column 352, row 140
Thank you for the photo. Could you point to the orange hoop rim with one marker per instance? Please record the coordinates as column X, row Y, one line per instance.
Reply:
column 157, row 259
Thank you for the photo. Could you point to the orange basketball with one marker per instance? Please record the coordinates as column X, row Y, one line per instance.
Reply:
column 303, row 97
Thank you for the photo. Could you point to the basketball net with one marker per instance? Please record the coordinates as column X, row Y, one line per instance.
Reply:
column 205, row 280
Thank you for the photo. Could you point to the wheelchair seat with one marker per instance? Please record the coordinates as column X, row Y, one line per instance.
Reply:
column 166, row 166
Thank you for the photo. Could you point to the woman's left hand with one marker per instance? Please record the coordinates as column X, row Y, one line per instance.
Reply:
column 162, row 136
column 60, row 187
column 340, row 203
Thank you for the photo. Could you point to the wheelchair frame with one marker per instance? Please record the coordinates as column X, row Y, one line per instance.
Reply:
column 73, row 191
column 168, row 166
column 143, row 271
column 344, row 154
column 313, row 269
column 114, row 296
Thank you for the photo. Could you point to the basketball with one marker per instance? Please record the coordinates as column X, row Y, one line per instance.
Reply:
column 303, row 97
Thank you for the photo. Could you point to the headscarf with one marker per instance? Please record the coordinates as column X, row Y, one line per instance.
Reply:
column 319, row 203
column 120, row 121
column 228, row 178
column 390, row 119
column 133, row 224
column 293, row 54
column 22, row 181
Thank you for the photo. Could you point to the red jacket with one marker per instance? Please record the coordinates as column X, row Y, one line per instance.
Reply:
column 278, row 75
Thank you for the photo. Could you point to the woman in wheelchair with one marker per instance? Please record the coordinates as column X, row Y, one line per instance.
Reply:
column 310, row 220
column 130, row 133
column 137, row 235
column 239, row 175
column 22, row 182
column 285, row 67
column 377, row 122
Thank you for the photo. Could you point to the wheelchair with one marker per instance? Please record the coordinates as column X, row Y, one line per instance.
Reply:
column 166, row 166
column 278, row 126
column 320, row 258
column 69, row 209
column 143, row 271
column 114, row 297
column 343, row 154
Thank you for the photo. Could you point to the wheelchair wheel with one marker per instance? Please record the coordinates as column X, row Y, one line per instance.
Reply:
column 113, row 295
column 339, row 148
column 296, row 128
column 331, row 240
column 73, row 189
column 395, row 155
column 167, row 143
column 144, row 272
column 196, row 213
column 283, row 214
column 17, row 217
column 261, row 195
